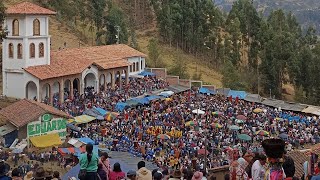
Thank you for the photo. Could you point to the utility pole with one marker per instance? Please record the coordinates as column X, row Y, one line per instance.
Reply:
column 118, row 33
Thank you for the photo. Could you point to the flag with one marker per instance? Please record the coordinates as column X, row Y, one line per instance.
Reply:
column 230, row 98
column 237, row 99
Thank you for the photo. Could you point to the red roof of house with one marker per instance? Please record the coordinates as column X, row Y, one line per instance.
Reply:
column 26, row 111
column 29, row 8
column 75, row 60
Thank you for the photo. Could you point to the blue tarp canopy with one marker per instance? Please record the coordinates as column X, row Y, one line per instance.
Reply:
column 91, row 112
column 239, row 94
column 101, row 111
column 73, row 127
column 120, row 106
column 132, row 102
column 86, row 140
column 141, row 100
column 153, row 97
column 146, row 73
column 206, row 91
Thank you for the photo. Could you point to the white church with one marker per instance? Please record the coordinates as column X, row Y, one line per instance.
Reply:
column 31, row 70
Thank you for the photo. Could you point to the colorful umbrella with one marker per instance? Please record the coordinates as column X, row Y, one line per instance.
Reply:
column 279, row 119
column 257, row 110
column 242, row 117
column 262, row 133
column 163, row 136
column 217, row 113
column 110, row 116
column 234, row 127
column 203, row 152
column 244, row 137
column 216, row 125
column 239, row 121
column 191, row 123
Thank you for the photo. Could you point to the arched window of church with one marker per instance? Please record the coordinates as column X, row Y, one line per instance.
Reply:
column 10, row 50
column 41, row 50
column 32, row 50
column 36, row 27
column 19, row 51
column 15, row 27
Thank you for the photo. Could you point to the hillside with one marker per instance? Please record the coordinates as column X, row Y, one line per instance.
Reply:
column 62, row 33
column 306, row 11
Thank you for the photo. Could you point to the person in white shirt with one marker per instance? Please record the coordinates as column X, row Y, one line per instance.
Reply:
column 258, row 170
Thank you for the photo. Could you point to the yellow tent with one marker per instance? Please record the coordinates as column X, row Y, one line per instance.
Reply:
column 47, row 140
column 84, row 119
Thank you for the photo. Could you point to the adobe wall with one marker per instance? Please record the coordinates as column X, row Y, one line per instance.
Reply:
column 172, row 80
column 160, row 72
column 185, row 82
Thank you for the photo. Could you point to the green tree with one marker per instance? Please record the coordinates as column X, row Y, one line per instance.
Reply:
column 3, row 30
column 231, row 78
column 154, row 53
column 179, row 68
column 115, row 24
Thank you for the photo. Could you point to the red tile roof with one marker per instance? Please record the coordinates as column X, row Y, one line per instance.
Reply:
column 25, row 111
column 28, row 8
column 75, row 60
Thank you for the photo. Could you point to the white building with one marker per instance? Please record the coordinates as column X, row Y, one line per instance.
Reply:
column 31, row 70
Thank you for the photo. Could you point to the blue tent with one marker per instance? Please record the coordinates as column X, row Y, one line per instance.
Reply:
column 73, row 127
column 132, row 102
column 101, row 111
column 142, row 100
column 91, row 112
column 146, row 73
column 86, row 140
column 153, row 97
column 120, row 106
column 239, row 94
column 206, row 91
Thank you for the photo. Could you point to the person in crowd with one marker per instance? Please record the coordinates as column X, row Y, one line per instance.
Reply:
column 289, row 168
column 28, row 176
column 101, row 173
column 16, row 175
column 143, row 173
column 131, row 175
column 275, row 150
column 117, row 173
column 104, row 161
column 237, row 170
column 56, row 175
column 197, row 176
column 4, row 169
column 89, row 162
column 258, row 170
column 317, row 176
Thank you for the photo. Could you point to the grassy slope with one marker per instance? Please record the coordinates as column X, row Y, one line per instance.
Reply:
column 168, row 55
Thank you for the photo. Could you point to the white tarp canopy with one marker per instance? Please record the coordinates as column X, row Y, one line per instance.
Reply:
column 198, row 111
column 75, row 142
column 6, row 129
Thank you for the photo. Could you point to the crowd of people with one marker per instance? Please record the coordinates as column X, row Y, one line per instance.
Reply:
column 188, row 132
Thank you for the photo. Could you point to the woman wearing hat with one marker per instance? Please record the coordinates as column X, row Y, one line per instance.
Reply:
column 89, row 163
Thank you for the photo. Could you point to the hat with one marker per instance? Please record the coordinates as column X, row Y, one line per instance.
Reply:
column 274, row 148
column 197, row 175
column 131, row 173
column 4, row 168
column 28, row 176
column 157, row 175
column 40, row 173
column 177, row 174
